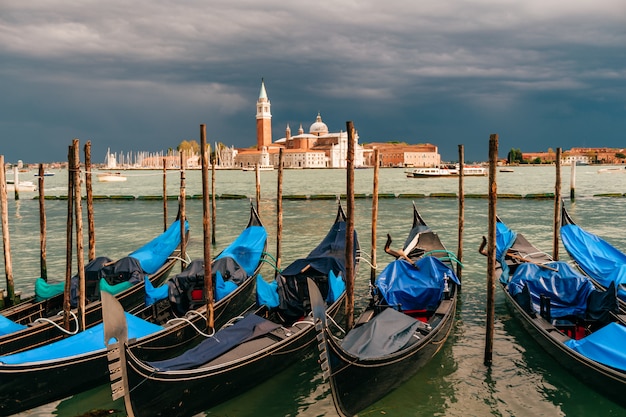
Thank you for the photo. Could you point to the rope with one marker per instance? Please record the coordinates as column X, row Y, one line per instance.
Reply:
column 451, row 256
column 188, row 321
column 60, row 313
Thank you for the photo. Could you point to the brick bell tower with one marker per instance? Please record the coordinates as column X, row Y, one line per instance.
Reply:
column 263, row 120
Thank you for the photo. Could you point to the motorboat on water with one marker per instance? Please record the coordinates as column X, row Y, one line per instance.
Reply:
column 447, row 171
column 111, row 177
column 22, row 186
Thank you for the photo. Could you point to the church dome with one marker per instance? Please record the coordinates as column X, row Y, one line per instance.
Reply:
column 319, row 127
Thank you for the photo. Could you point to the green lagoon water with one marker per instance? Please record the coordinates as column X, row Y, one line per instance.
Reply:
column 522, row 381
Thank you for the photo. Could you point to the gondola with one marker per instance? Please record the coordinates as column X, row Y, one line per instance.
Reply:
column 594, row 256
column 39, row 322
column 408, row 319
column 274, row 333
column 79, row 362
column 575, row 322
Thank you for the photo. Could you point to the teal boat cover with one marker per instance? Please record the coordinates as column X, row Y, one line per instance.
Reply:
column 596, row 257
column 416, row 286
column 605, row 346
column 567, row 288
column 90, row 340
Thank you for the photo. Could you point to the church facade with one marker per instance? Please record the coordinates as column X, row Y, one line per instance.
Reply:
column 318, row 148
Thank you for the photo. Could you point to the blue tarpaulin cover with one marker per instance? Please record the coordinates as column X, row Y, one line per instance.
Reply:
column 227, row 338
column 414, row 287
column 153, row 254
column 267, row 292
column 505, row 238
column 87, row 341
column 605, row 346
column 247, row 249
column 336, row 287
column 9, row 326
column 568, row 289
column 386, row 333
column 598, row 258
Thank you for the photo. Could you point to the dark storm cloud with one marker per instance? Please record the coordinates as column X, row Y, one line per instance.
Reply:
column 144, row 75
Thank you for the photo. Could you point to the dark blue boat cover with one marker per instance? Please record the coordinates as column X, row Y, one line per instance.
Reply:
column 328, row 256
column 86, row 341
column 605, row 346
column 224, row 340
column 568, row 289
column 598, row 258
column 386, row 333
column 153, row 254
column 414, row 287
column 505, row 238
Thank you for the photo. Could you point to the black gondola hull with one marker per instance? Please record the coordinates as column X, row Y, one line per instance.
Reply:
column 185, row 393
column 27, row 386
column 356, row 384
column 605, row 380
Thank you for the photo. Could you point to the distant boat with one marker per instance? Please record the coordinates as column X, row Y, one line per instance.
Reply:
column 446, row 171
column 111, row 177
column 46, row 174
column 261, row 168
column 23, row 186
column 506, row 170
column 612, row 170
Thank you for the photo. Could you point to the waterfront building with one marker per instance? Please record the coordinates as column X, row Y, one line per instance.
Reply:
column 319, row 148
column 403, row 155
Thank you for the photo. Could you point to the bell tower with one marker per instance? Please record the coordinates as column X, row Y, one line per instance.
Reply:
column 263, row 120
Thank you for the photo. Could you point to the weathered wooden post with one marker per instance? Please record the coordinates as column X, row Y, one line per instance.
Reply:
column 374, row 215
column 572, row 182
column 279, row 211
column 69, row 238
column 183, row 197
column 459, row 251
column 350, row 228
column 213, row 199
column 257, row 171
column 491, row 249
column 8, row 264
column 164, row 193
column 89, row 194
column 78, row 214
column 557, row 207
column 43, row 267
column 206, row 233
column 16, row 183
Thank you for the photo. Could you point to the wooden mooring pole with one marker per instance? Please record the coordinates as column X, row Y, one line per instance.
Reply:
column 374, row 215
column 182, row 199
column 43, row 264
column 78, row 215
column 572, row 182
column 213, row 199
column 68, row 236
column 164, row 193
column 279, row 210
column 91, row 228
column 557, row 207
column 491, row 249
column 8, row 264
column 459, row 251
column 206, row 232
column 257, row 172
column 350, row 228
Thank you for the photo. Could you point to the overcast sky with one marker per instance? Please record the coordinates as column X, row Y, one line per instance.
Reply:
column 143, row 75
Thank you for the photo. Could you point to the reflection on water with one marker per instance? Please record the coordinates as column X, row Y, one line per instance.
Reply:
column 522, row 380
